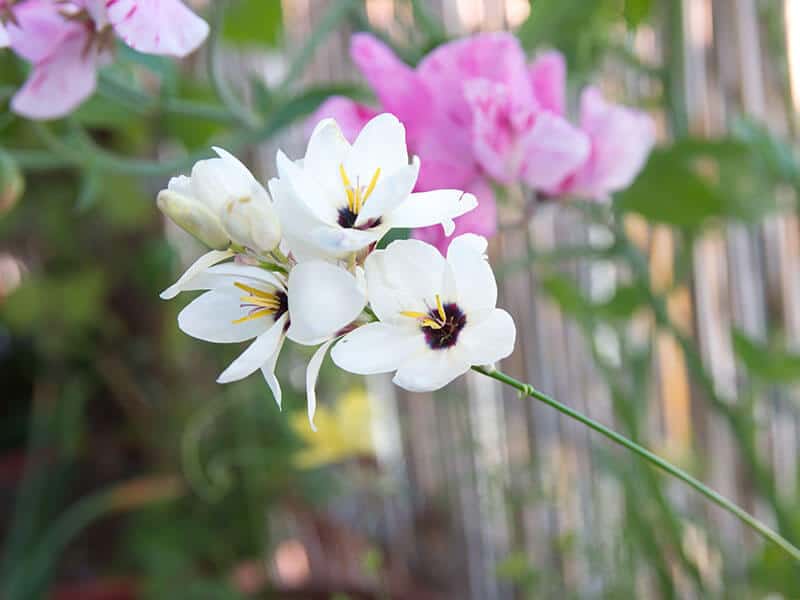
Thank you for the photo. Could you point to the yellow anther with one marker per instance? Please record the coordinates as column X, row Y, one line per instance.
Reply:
column 423, row 319
column 345, row 179
column 264, row 312
column 413, row 314
column 271, row 303
column 348, row 189
column 373, row 182
column 431, row 323
column 440, row 308
column 253, row 291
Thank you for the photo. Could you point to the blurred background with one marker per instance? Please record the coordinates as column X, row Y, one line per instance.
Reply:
column 126, row 472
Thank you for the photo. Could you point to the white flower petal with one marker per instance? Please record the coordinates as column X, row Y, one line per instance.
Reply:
column 222, row 278
column 208, row 259
column 312, row 373
column 296, row 221
column 337, row 242
column 215, row 181
column 327, row 150
column 474, row 279
column 268, row 370
column 377, row 348
column 323, row 298
column 210, row 317
column 390, row 191
column 431, row 208
column 316, row 199
column 405, row 276
column 431, row 370
column 180, row 185
column 489, row 340
column 381, row 144
column 257, row 354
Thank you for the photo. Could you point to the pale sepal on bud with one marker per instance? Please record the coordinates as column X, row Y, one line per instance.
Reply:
column 194, row 217
column 252, row 223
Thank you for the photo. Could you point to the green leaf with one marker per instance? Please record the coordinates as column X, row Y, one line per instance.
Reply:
column 100, row 111
column 253, row 22
column 636, row 11
column 566, row 294
column 667, row 191
column 625, row 301
column 775, row 156
column 693, row 181
column 12, row 184
column 307, row 101
column 764, row 361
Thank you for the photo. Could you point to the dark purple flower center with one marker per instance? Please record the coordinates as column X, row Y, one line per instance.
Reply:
column 444, row 333
column 347, row 219
column 283, row 304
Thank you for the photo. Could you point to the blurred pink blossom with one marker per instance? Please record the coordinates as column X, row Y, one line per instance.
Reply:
column 621, row 140
column 68, row 41
column 475, row 110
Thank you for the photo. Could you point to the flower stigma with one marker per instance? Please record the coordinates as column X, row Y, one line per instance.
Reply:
column 261, row 303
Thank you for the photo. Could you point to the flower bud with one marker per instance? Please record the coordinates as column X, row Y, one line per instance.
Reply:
column 11, row 183
column 194, row 217
column 252, row 222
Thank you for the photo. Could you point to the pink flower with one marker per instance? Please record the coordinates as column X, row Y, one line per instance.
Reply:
column 350, row 116
column 66, row 44
column 164, row 27
column 514, row 143
column 474, row 108
column 621, row 140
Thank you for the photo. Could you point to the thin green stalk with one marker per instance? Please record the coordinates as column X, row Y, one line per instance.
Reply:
column 738, row 421
column 716, row 498
column 144, row 104
column 242, row 113
column 327, row 24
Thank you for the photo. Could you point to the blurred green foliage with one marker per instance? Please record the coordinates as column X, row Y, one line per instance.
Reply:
column 102, row 389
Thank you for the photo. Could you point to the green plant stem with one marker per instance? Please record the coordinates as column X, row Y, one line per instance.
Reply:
column 739, row 422
column 746, row 518
column 241, row 113
column 144, row 104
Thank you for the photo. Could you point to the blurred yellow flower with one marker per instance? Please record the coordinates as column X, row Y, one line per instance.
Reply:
column 343, row 431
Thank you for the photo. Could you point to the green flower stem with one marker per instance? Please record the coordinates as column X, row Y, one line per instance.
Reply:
column 719, row 500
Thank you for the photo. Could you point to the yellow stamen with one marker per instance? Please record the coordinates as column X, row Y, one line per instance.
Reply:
column 345, row 179
column 440, row 308
column 431, row 323
column 272, row 303
column 253, row 291
column 373, row 182
column 423, row 319
column 348, row 188
column 264, row 312
column 413, row 314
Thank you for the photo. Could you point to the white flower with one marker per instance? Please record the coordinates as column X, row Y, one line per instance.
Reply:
column 310, row 306
column 222, row 203
column 437, row 316
column 341, row 199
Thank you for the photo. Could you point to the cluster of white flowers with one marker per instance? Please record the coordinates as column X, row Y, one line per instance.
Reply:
column 305, row 265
